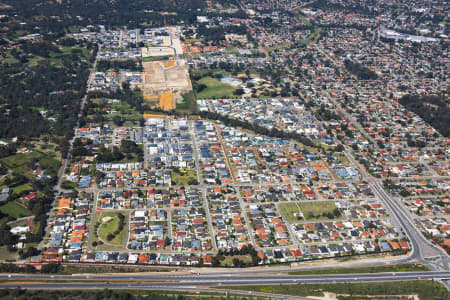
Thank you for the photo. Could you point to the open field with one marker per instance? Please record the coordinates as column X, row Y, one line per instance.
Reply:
column 154, row 115
column 228, row 261
column 288, row 210
column 278, row 47
column 166, row 101
column 215, row 89
column 319, row 210
column 106, row 224
column 377, row 269
column 123, row 110
column 8, row 58
column 188, row 104
column 184, row 177
column 58, row 58
column 22, row 162
column 17, row 190
column 312, row 38
column 6, row 255
column 15, row 210
column 426, row 289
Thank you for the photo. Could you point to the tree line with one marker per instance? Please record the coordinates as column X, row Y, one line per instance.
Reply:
column 116, row 65
column 361, row 72
column 433, row 109
column 273, row 132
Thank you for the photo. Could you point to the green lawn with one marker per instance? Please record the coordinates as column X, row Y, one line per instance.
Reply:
column 157, row 58
column 69, row 270
column 58, row 59
column 319, row 210
column 426, row 289
column 313, row 38
column 50, row 164
column 15, row 210
column 22, row 163
column 8, row 58
column 181, row 178
column 6, row 255
column 21, row 188
column 124, row 110
column 69, row 185
column 288, row 210
column 215, row 89
column 228, row 261
column 377, row 269
column 18, row 162
column 105, row 228
column 189, row 103
column 305, row 20
column 279, row 47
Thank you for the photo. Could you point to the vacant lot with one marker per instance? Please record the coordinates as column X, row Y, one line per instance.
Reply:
column 7, row 255
column 166, row 101
column 187, row 177
column 215, row 89
column 228, row 261
column 319, row 210
column 15, row 210
column 22, row 163
column 288, row 210
column 17, row 190
column 188, row 104
column 125, row 111
column 159, row 80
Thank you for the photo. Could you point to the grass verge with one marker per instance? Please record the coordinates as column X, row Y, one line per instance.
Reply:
column 377, row 269
column 425, row 289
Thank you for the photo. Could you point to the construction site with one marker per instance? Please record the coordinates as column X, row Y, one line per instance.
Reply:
column 166, row 75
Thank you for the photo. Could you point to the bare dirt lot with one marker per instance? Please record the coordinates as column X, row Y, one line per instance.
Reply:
column 158, row 79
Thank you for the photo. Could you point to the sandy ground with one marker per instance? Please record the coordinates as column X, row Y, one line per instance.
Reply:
column 165, row 81
column 165, row 77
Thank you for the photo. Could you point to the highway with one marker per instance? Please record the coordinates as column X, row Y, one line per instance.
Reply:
column 236, row 278
column 189, row 280
column 421, row 247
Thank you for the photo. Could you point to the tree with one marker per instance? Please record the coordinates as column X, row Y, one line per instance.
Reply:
column 51, row 268
column 238, row 92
